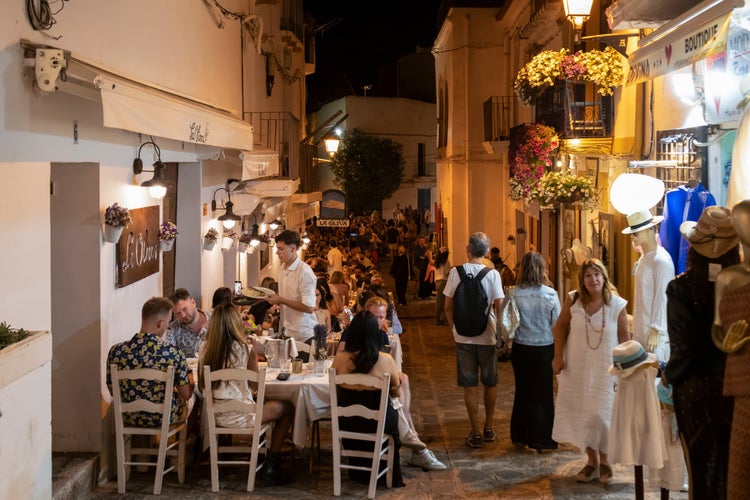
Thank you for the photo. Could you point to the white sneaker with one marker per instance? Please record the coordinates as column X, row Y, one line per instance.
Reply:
column 427, row 461
column 411, row 440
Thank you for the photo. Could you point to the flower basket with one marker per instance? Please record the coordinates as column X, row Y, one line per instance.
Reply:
column 112, row 234
column 601, row 67
column 227, row 242
column 208, row 244
column 166, row 245
column 529, row 156
column 242, row 246
column 555, row 188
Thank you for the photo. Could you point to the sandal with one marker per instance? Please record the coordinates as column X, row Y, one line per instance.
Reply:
column 489, row 434
column 474, row 441
column 586, row 475
column 605, row 473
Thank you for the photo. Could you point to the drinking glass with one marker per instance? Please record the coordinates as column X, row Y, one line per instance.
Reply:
column 272, row 353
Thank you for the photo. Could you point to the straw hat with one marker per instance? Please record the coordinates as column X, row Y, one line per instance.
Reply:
column 640, row 220
column 628, row 356
column 713, row 234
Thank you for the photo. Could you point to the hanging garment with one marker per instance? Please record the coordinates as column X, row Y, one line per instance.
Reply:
column 682, row 204
column 739, row 176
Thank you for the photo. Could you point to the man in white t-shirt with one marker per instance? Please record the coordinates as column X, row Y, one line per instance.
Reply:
column 335, row 258
column 296, row 289
column 476, row 357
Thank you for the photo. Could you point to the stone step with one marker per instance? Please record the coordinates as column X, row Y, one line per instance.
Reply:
column 74, row 475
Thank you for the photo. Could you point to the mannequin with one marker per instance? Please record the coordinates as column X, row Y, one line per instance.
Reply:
column 730, row 333
column 654, row 272
column 573, row 258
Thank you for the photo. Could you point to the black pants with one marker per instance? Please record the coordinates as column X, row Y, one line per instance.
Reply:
column 401, row 285
column 533, row 405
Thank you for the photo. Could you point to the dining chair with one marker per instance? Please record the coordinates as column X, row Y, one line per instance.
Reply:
column 383, row 447
column 124, row 433
column 257, row 431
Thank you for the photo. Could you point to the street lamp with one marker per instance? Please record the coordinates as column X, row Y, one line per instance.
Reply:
column 332, row 145
column 577, row 12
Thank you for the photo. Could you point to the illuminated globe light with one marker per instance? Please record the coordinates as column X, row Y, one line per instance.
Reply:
column 157, row 192
column 633, row 192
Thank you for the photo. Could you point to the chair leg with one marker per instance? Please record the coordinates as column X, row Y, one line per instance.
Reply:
column 375, row 468
column 214, row 453
column 252, row 470
column 121, row 474
column 160, row 463
column 181, row 451
column 336, row 467
column 390, row 458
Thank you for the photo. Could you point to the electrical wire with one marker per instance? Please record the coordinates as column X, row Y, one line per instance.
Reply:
column 41, row 15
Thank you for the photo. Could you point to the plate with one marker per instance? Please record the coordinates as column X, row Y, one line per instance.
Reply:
column 257, row 292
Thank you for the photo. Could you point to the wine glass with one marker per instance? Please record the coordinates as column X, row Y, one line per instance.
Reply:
column 272, row 353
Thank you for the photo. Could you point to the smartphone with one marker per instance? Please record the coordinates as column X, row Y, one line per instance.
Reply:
column 283, row 376
column 237, row 288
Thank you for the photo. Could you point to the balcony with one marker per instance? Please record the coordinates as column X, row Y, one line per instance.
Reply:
column 426, row 169
column 576, row 110
column 278, row 131
column 498, row 113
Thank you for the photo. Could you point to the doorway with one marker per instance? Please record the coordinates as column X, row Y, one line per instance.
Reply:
column 169, row 212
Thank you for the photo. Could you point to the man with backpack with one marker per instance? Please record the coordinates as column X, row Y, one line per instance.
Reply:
column 473, row 295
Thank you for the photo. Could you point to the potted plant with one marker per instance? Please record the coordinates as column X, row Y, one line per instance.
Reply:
column 555, row 188
column 529, row 156
column 244, row 241
column 227, row 242
column 115, row 220
column 167, row 234
column 210, row 238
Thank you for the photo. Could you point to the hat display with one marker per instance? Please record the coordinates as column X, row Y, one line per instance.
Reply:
column 713, row 234
column 640, row 220
column 628, row 356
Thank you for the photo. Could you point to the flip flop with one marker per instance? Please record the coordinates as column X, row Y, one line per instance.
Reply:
column 605, row 473
column 586, row 475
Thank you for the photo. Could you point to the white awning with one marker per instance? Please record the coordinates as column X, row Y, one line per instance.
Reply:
column 691, row 37
column 259, row 162
column 295, row 217
column 138, row 108
column 280, row 188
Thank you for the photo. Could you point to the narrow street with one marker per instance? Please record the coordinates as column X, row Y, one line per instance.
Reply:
column 498, row 470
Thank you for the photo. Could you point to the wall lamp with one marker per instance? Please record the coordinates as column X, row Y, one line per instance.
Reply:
column 157, row 185
column 577, row 12
column 229, row 219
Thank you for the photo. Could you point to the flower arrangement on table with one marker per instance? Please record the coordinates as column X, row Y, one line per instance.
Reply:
column 562, row 187
column 320, row 334
column 168, row 231
column 117, row 216
column 529, row 157
column 601, row 67
column 212, row 235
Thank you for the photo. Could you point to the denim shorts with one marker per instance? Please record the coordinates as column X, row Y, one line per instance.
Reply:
column 472, row 359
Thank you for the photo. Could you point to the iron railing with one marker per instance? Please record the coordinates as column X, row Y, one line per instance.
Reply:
column 498, row 114
column 576, row 110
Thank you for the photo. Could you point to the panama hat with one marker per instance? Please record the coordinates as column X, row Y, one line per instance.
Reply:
column 628, row 356
column 713, row 234
column 640, row 220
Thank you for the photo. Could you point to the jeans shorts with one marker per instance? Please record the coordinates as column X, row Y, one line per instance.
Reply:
column 470, row 359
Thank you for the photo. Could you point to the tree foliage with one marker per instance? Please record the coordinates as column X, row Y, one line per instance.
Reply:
column 368, row 169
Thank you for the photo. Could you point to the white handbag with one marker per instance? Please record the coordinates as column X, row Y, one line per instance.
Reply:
column 509, row 317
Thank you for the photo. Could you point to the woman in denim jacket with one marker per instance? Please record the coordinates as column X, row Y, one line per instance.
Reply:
column 533, row 349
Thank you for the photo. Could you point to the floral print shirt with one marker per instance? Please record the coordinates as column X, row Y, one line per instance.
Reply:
column 145, row 350
column 185, row 338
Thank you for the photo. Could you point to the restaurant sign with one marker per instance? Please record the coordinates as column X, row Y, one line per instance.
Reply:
column 333, row 223
column 137, row 253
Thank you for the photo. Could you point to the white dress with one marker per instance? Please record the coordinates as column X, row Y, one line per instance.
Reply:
column 636, row 436
column 583, row 409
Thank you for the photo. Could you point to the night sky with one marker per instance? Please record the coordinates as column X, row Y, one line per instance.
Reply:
column 367, row 36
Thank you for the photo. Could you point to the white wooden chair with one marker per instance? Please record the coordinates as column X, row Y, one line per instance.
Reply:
column 176, row 432
column 383, row 445
column 259, row 432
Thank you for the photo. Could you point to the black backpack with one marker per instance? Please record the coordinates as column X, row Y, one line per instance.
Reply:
column 471, row 307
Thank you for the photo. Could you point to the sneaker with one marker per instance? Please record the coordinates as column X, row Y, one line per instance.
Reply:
column 411, row 440
column 427, row 461
column 489, row 434
column 474, row 441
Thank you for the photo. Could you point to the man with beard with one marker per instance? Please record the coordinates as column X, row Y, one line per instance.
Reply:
column 188, row 329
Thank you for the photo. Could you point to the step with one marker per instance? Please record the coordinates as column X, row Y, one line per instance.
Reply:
column 73, row 474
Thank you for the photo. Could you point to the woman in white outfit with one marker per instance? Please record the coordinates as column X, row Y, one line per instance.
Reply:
column 592, row 322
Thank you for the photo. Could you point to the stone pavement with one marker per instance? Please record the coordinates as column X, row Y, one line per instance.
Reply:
column 498, row 470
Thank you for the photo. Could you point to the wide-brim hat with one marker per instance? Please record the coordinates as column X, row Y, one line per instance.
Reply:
column 627, row 357
column 640, row 220
column 712, row 235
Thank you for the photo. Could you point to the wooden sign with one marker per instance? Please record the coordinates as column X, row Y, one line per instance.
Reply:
column 137, row 252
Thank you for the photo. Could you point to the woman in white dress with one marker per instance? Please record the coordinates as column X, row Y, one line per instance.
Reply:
column 592, row 322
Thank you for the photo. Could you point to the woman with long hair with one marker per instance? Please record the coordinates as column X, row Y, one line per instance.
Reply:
column 533, row 351
column 225, row 347
column 591, row 324
column 361, row 354
column 322, row 314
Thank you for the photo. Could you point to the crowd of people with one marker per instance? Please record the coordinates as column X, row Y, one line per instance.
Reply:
column 585, row 342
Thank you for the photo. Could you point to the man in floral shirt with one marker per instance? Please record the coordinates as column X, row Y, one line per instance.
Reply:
column 190, row 324
column 146, row 350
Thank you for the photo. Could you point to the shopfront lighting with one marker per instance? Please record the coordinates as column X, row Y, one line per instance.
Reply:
column 632, row 192
column 157, row 185
column 229, row 218
column 332, row 145
column 577, row 12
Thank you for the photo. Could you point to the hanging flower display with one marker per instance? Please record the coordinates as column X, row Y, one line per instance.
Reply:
column 168, row 231
column 117, row 216
column 556, row 187
column 601, row 67
column 529, row 156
